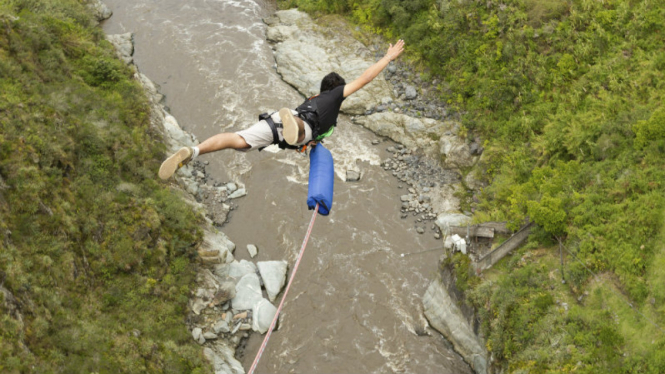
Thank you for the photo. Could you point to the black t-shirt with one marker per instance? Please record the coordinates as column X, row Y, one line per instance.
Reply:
column 328, row 104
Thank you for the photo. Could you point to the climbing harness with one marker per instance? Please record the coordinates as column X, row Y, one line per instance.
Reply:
column 309, row 112
column 275, row 136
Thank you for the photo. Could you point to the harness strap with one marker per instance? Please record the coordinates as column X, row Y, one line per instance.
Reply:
column 275, row 136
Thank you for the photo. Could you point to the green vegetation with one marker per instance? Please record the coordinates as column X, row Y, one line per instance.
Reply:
column 569, row 97
column 96, row 257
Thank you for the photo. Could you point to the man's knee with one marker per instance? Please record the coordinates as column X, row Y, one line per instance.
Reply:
column 238, row 142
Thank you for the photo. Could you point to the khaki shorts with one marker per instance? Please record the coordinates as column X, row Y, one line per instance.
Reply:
column 260, row 135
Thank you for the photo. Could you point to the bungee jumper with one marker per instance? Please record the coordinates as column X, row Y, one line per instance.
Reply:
column 308, row 124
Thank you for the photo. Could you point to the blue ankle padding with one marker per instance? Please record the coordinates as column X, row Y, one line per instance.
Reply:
column 321, row 179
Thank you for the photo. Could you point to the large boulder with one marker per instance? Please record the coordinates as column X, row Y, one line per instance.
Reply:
column 447, row 318
column 457, row 152
column 248, row 292
column 222, row 358
column 124, row 46
column 262, row 315
column 99, row 10
column 216, row 247
column 176, row 136
column 410, row 131
column 273, row 274
column 298, row 48
column 445, row 220
column 237, row 270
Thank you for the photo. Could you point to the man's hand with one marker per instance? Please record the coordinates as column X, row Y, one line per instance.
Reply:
column 395, row 50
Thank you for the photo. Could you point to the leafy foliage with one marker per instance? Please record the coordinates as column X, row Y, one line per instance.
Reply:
column 569, row 97
column 96, row 255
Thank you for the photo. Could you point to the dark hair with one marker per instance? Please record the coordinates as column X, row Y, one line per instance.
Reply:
column 331, row 81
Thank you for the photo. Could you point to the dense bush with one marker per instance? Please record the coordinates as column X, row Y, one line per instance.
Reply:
column 568, row 96
column 97, row 257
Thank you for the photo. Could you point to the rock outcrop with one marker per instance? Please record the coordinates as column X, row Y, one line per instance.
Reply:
column 99, row 10
column 378, row 105
column 446, row 317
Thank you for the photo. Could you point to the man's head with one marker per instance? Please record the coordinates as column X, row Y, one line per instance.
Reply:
column 331, row 81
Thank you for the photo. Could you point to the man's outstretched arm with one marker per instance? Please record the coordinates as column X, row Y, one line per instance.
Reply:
column 393, row 52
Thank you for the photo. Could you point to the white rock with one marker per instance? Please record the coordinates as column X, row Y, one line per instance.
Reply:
column 221, row 326
column 239, row 193
column 100, row 10
column 237, row 270
column 251, row 248
column 124, row 46
column 177, row 137
column 445, row 220
column 209, row 335
column 262, row 315
column 445, row 316
column 248, row 292
column 273, row 274
column 231, row 187
column 457, row 152
column 197, row 334
column 217, row 240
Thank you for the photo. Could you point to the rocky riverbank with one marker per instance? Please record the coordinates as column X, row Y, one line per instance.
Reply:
column 432, row 160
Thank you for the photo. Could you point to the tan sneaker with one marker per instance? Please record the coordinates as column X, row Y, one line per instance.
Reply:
column 290, row 126
column 175, row 162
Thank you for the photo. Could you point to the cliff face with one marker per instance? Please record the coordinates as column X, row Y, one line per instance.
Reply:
column 455, row 321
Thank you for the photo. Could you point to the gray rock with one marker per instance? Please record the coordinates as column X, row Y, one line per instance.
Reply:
column 445, row 220
column 209, row 335
column 222, row 270
column 420, row 230
column 263, row 313
column 226, row 292
column 280, row 33
column 253, row 251
column 223, row 359
column 237, row 270
column 197, row 334
column 198, row 305
column 410, row 93
column 221, row 326
column 352, row 176
column 239, row 193
column 273, row 274
column 100, row 10
column 412, row 132
column 178, row 138
column 231, row 187
column 124, row 46
column 445, row 316
column 293, row 58
column 248, row 292
column 215, row 241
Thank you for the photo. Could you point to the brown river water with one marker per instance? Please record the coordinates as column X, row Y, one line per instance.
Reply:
column 355, row 305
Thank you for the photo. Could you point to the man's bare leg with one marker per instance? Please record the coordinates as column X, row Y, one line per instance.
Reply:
column 222, row 141
column 217, row 142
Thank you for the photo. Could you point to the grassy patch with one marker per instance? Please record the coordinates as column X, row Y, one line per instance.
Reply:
column 97, row 256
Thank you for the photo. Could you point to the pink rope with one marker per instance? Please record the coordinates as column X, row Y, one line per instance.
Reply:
column 293, row 275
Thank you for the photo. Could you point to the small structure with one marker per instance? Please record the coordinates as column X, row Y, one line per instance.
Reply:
column 479, row 240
